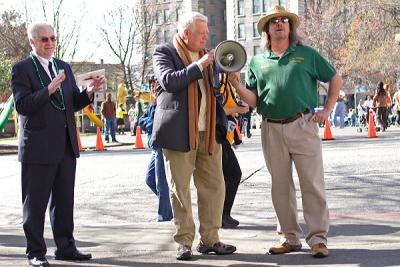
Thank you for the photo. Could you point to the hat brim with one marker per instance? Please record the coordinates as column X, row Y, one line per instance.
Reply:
column 293, row 17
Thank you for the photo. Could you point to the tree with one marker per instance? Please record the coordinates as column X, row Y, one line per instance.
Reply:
column 148, row 37
column 5, row 74
column 66, row 29
column 13, row 42
column 369, row 46
column 120, row 31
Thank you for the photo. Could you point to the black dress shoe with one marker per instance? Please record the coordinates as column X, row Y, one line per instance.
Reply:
column 228, row 222
column 73, row 256
column 38, row 262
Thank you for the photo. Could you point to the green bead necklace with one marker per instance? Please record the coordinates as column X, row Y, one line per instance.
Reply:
column 58, row 106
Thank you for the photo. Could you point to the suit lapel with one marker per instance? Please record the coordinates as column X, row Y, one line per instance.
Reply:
column 43, row 73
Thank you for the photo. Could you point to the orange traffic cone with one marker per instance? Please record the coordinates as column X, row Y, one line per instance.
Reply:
column 99, row 141
column 78, row 136
column 139, row 142
column 327, row 131
column 371, row 126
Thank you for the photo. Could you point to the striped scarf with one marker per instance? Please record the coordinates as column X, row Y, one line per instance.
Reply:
column 193, row 103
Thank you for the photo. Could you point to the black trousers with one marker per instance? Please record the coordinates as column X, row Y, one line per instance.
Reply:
column 39, row 183
column 232, row 176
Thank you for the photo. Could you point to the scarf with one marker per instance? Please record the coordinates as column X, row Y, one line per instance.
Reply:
column 193, row 103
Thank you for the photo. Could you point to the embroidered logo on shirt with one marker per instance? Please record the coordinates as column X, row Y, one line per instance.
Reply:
column 296, row 59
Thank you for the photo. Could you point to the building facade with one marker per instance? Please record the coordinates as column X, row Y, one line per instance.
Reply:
column 161, row 17
column 167, row 13
column 242, row 18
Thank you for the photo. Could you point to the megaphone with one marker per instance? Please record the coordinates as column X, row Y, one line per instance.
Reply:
column 230, row 56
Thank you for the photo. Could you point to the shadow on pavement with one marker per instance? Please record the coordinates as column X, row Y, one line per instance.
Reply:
column 19, row 241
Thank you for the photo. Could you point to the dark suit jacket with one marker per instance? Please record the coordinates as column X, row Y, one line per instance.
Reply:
column 43, row 130
column 171, row 126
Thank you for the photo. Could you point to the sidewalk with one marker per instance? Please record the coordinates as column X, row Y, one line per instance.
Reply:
column 10, row 145
column 115, row 211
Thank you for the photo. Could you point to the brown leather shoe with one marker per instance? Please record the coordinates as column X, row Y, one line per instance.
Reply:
column 319, row 250
column 284, row 247
column 218, row 248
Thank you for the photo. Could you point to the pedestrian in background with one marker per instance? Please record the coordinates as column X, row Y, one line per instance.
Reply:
column 379, row 104
column 396, row 102
column 230, row 164
column 155, row 175
column 108, row 110
column 132, row 118
column 185, row 127
column 120, row 119
column 282, row 83
column 368, row 104
column 361, row 112
column 339, row 110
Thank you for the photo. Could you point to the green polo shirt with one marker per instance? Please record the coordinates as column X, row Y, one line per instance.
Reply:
column 287, row 85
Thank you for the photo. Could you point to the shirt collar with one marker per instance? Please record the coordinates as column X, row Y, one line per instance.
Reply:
column 271, row 55
column 43, row 60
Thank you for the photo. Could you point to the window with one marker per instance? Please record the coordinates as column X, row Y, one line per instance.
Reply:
column 240, row 7
column 256, row 49
column 255, row 30
column 166, row 15
column 256, row 6
column 212, row 20
column 179, row 12
column 159, row 18
column 213, row 41
column 266, row 5
column 201, row 10
column 241, row 33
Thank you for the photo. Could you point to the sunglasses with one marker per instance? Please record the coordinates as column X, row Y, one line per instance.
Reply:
column 276, row 20
column 47, row 39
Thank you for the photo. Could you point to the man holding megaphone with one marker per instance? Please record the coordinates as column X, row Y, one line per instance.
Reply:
column 185, row 127
column 282, row 83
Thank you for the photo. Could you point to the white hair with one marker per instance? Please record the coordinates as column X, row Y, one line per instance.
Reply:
column 34, row 29
column 188, row 19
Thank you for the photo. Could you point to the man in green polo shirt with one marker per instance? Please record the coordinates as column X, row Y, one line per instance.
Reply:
column 282, row 83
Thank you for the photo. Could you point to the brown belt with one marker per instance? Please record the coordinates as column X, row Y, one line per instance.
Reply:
column 291, row 119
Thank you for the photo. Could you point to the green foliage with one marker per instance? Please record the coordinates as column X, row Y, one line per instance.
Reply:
column 5, row 73
column 358, row 37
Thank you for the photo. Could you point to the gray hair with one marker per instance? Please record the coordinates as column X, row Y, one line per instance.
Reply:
column 34, row 29
column 187, row 20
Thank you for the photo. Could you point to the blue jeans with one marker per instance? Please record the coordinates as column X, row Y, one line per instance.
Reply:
column 157, row 181
column 110, row 128
column 339, row 111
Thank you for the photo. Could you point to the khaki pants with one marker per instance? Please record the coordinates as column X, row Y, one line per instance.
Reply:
column 209, row 182
column 296, row 142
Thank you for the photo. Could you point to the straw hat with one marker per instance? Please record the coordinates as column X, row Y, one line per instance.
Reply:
column 277, row 11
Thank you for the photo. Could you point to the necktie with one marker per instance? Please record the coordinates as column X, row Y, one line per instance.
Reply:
column 57, row 94
column 51, row 71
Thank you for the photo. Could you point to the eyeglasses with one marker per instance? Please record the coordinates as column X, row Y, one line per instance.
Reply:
column 276, row 20
column 47, row 39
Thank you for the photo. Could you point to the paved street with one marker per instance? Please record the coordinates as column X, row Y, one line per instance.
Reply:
column 115, row 213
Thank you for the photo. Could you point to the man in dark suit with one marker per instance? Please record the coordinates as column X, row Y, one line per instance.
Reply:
column 48, row 144
column 184, row 126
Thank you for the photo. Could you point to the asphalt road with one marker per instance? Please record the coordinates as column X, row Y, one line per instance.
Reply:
column 115, row 213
